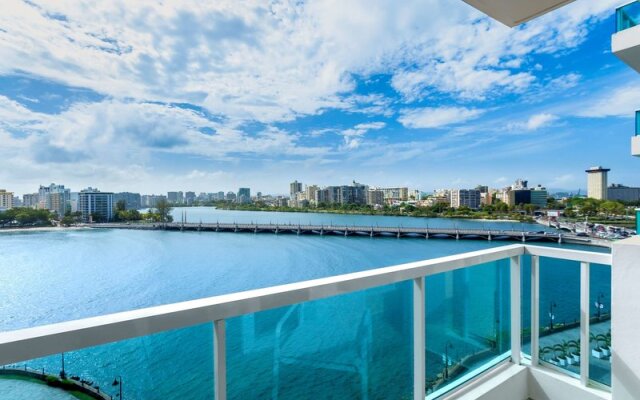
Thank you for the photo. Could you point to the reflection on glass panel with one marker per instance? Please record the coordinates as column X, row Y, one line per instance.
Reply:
column 170, row 365
column 560, row 313
column 628, row 16
column 600, row 325
column 467, row 323
column 353, row 346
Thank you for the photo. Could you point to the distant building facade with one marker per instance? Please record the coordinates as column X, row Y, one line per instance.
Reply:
column 30, row 200
column 132, row 201
column 623, row 193
column 597, row 182
column 96, row 205
column 55, row 198
column 375, row 197
column 244, row 196
column 465, row 198
column 6, row 200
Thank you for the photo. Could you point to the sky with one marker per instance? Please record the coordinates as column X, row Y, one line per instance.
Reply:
column 155, row 96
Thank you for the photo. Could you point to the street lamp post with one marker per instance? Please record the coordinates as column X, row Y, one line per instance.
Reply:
column 118, row 382
column 63, row 374
column 552, row 316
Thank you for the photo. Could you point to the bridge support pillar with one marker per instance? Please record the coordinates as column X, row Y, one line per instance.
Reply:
column 321, row 231
column 371, row 233
column 560, row 238
column 298, row 232
column 346, row 232
column 489, row 237
column 457, row 235
column 524, row 238
column 398, row 233
column 426, row 235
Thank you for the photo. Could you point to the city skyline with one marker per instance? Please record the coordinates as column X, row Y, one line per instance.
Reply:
column 180, row 103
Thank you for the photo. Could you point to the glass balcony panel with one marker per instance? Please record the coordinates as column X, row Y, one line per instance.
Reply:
column 467, row 324
column 175, row 364
column 352, row 346
column 627, row 16
column 600, row 325
column 560, row 314
column 638, row 123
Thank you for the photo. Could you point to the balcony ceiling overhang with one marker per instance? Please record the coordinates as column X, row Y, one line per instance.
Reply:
column 626, row 46
column 516, row 12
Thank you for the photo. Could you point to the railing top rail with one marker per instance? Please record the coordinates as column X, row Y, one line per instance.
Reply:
column 24, row 344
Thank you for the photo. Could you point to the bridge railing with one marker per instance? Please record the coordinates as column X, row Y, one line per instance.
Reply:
column 424, row 328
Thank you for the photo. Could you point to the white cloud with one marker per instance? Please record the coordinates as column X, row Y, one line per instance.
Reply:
column 353, row 137
column 278, row 60
column 432, row 117
column 534, row 122
column 612, row 102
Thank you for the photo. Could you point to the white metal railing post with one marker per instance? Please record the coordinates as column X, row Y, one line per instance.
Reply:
column 419, row 379
column 516, row 324
column 220, row 359
column 535, row 310
column 585, row 306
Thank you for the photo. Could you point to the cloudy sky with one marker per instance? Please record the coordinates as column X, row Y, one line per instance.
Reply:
column 206, row 96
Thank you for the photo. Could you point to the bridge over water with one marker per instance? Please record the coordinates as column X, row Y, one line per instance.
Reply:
column 346, row 230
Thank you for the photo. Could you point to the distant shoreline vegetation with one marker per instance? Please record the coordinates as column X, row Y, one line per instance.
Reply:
column 408, row 210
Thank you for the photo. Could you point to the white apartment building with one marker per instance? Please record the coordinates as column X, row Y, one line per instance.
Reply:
column 6, row 200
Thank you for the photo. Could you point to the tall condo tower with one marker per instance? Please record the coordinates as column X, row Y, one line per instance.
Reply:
column 597, row 183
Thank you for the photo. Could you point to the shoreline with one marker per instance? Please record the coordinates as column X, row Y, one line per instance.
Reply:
column 41, row 228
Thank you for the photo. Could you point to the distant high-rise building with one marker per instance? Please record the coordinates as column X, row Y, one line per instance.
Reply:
column 6, row 200
column 30, row 200
column 175, row 197
column 465, row 198
column 597, row 178
column 55, row 198
column 395, row 194
column 295, row 187
column 132, row 201
column 151, row 200
column 96, row 206
column 375, row 197
column 244, row 196
column 190, row 198
column 230, row 196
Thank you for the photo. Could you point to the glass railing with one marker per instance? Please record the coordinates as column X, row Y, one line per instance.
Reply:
column 638, row 123
column 628, row 16
column 404, row 332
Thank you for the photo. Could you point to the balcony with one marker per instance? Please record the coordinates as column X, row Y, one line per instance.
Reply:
column 516, row 12
column 625, row 43
column 512, row 322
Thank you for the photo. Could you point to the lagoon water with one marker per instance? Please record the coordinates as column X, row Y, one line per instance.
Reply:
column 48, row 277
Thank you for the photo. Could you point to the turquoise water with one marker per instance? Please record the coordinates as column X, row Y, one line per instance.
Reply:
column 56, row 276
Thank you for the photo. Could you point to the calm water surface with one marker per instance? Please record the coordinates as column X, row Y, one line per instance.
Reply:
column 48, row 277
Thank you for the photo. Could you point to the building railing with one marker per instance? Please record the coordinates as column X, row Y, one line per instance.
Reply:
column 627, row 16
column 26, row 344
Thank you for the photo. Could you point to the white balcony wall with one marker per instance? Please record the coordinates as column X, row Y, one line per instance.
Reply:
column 635, row 146
column 625, row 319
column 626, row 46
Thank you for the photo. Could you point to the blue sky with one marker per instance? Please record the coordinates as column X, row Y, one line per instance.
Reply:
column 151, row 97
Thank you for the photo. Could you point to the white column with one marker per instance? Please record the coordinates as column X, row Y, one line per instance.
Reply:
column 220, row 359
column 516, row 324
column 585, row 306
column 419, row 390
column 535, row 310
column 625, row 319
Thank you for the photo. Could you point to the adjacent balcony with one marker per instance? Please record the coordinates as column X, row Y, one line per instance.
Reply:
column 635, row 140
column 516, row 12
column 513, row 322
column 625, row 43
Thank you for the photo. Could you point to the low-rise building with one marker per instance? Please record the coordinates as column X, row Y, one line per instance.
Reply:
column 623, row 193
